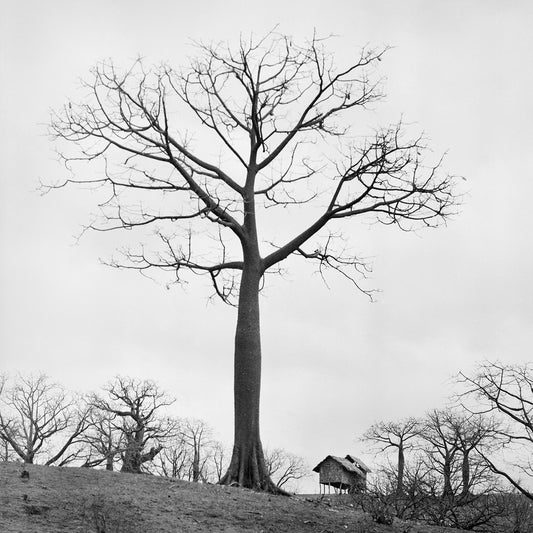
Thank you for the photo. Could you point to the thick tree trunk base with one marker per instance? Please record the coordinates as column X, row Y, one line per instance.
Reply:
column 248, row 470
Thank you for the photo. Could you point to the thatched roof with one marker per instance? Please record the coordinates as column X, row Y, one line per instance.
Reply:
column 346, row 463
column 358, row 462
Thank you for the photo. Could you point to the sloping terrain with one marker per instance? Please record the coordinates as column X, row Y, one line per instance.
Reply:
column 55, row 500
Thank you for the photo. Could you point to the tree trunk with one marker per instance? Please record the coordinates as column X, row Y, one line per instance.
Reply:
column 465, row 467
column 247, row 467
column 196, row 464
column 401, row 468
column 131, row 461
column 447, row 491
column 28, row 456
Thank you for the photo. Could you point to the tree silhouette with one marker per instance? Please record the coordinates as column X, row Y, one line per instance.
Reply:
column 39, row 418
column 284, row 467
column 272, row 131
column 397, row 435
column 133, row 407
column 506, row 391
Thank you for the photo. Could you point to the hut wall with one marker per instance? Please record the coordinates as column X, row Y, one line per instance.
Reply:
column 333, row 472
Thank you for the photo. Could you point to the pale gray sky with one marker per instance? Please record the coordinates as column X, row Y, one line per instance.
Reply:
column 462, row 71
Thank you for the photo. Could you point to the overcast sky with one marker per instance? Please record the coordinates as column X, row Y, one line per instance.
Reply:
column 333, row 362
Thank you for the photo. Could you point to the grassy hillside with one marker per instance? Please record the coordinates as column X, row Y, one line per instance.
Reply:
column 54, row 500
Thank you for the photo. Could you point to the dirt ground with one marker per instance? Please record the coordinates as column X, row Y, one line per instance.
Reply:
column 55, row 500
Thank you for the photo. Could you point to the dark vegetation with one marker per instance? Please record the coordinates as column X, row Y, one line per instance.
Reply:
column 449, row 467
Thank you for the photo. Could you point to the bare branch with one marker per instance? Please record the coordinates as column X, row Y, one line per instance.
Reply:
column 38, row 418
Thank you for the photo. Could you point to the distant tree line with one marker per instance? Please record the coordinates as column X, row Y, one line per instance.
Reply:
column 125, row 426
column 455, row 466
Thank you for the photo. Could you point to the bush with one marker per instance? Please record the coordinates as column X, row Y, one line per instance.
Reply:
column 381, row 511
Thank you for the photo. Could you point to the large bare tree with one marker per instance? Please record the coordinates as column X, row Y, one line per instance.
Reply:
column 272, row 130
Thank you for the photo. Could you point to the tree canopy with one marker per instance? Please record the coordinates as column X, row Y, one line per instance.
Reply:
column 205, row 155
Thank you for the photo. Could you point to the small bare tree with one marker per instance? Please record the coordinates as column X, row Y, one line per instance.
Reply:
column 475, row 434
column 197, row 435
column 191, row 453
column 38, row 418
column 442, row 448
column 135, row 406
column 219, row 460
column 174, row 460
column 104, row 440
column 284, row 467
column 6, row 452
column 274, row 122
column 395, row 435
column 506, row 391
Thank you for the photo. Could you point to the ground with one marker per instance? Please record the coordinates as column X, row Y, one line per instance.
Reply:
column 55, row 500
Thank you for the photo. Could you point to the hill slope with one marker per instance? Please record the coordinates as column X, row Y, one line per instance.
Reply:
column 55, row 500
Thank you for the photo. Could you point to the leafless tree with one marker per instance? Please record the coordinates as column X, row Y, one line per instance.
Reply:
column 475, row 434
column 418, row 488
column 284, row 467
column 446, row 482
column 174, row 460
column 475, row 504
column 442, row 448
column 395, row 435
column 197, row 435
column 463, row 493
column 6, row 452
column 192, row 453
column 219, row 460
column 104, row 441
column 5, row 449
column 506, row 391
column 134, row 406
column 423, row 498
column 38, row 418
column 274, row 122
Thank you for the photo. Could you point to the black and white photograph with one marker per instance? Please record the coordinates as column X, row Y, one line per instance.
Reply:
column 266, row 267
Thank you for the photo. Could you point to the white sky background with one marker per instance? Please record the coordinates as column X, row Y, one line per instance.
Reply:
column 333, row 362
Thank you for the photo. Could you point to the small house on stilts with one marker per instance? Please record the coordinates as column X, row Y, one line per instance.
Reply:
column 344, row 474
